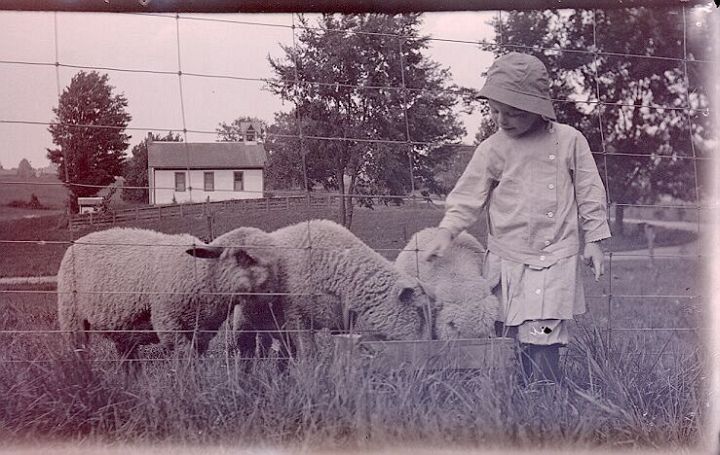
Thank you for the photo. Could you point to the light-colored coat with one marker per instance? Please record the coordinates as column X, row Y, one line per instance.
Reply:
column 467, row 307
column 124, row 279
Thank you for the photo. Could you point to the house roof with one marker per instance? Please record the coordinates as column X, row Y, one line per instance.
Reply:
column 206, row 155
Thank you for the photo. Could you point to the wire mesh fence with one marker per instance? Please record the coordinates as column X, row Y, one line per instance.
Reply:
column 656, row 181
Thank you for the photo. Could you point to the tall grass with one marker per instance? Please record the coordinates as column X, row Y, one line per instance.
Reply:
column 611, row 399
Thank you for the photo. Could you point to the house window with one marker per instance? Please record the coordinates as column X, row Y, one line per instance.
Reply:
column 238, row 184
column 250, row 134
column 179, row 181
column 209, row 181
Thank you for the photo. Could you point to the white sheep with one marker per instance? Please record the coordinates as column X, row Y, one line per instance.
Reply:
column 122, row 280
column 329, row 274
column 467, row 307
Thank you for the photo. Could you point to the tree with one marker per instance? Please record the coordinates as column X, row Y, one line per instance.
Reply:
column 24, row 169
column 643, row 153
column 136, row 168
column 89, row 130
column 486, row 129
column 284, row 170
column 233, row 132
column 369, row 103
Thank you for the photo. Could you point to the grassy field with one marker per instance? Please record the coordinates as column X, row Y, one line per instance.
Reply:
column 630, row 388
column 38, row 243
column 48, row 190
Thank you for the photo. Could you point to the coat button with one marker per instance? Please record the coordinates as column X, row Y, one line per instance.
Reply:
column 547, row 242
column 550, row 214
column 537, row 291
column 551, row 186
column 551, row 157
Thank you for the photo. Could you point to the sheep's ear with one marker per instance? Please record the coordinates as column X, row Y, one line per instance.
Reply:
column 407, row 288
column 205, row 252
column 406, row 294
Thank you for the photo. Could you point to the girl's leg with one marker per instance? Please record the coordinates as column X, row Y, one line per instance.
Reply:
column 541, row 363
column 540, row 342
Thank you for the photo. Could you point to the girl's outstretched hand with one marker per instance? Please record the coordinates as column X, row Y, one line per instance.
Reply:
column 593, row 257
column 438, row 246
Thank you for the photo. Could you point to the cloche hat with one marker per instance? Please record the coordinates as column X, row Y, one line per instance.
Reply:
column 521, row 81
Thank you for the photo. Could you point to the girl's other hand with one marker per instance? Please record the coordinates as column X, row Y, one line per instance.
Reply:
column 593, row 257
column 438, row 246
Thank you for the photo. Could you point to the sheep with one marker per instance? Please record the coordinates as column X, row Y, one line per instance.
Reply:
column 468, row 309
column 124, row 279
column 328, row 274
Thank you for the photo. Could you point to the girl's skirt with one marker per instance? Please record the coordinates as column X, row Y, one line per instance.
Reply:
column 536, row 301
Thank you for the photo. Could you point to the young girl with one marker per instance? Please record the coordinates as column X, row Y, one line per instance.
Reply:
column 545, row 202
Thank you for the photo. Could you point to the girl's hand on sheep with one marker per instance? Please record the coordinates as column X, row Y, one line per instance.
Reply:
column 438, row 245
column 593, row 256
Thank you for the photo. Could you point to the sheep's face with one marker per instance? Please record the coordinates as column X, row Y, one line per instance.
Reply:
column 467, row 310
column 245, row 261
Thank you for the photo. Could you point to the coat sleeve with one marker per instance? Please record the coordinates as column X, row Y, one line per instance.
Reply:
column 589, row 192
column 470, row 194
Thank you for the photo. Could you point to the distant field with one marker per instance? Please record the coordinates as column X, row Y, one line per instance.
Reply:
column 48, row 190
column 385, row 229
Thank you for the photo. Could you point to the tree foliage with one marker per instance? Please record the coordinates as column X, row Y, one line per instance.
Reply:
column 89, row 130
column 232, row 132
column 363, row 134
column 136, row 168
column 284, row 169
column 641, row 132
column 24, row 169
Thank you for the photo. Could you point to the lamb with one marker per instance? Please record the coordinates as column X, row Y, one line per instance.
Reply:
column 468, row 309
column 125, row 279
column 329, row 274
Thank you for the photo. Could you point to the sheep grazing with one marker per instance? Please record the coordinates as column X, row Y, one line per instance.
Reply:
column 329, row 274
column 122, row 280
column 468, row 309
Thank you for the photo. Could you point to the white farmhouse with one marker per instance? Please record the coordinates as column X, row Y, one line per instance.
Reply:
column 196, row 172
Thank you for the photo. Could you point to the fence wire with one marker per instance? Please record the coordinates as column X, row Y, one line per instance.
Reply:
column 612, row 291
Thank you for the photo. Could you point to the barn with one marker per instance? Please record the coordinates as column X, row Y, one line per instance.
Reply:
column 197, row 172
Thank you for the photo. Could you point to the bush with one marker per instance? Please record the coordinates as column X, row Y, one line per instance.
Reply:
column 34, row 203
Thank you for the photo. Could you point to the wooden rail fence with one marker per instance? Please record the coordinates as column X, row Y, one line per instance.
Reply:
column 200, row 208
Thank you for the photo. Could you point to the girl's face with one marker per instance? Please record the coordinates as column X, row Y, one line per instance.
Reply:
column 514, row 122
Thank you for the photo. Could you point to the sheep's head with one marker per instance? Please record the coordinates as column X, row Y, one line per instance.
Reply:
column 470, row 319
column 408, row 313
column 245, row 261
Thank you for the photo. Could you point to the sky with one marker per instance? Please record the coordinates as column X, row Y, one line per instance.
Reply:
column 234, row 45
